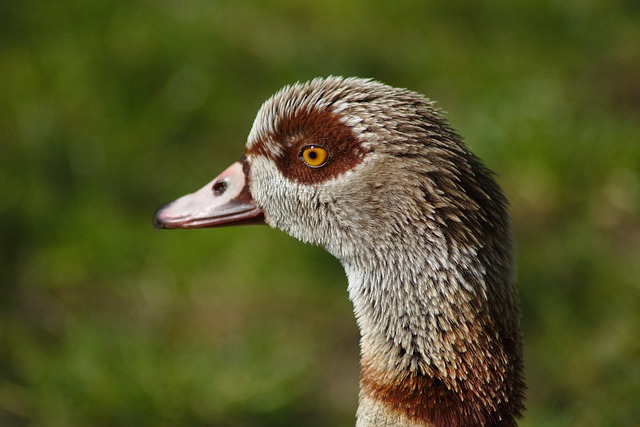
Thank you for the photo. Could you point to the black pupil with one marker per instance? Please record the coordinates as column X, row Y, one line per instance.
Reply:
column 313, row 155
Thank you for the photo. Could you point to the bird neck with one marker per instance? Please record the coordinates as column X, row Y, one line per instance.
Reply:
column 432, row 353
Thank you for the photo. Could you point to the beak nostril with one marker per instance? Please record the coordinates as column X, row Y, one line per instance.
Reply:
column 219, row 187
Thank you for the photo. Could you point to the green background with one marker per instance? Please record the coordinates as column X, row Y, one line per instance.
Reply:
column 108, row 109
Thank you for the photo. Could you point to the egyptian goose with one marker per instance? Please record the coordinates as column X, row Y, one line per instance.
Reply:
column 377, row 177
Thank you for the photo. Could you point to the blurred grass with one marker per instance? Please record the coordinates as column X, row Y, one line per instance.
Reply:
column 108, row 109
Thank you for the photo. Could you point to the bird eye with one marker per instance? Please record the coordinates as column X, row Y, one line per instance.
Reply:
column 314, row 156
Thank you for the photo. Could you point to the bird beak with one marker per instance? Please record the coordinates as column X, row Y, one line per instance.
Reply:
column 224, row 201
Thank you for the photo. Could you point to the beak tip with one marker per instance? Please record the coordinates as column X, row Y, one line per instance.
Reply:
column 158, row 222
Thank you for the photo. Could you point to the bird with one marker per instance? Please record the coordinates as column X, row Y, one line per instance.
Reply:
column 377, row 176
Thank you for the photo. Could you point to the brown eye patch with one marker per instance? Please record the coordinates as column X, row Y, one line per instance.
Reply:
column 311, row 128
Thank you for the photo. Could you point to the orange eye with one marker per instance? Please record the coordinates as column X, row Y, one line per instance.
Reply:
column 314, row 156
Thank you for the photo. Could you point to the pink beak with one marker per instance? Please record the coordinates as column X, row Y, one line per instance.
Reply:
column 224, row 201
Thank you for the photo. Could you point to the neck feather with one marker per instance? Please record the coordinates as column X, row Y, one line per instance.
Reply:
column 440, row 341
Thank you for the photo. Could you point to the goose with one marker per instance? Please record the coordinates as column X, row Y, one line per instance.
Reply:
column 376, row 176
